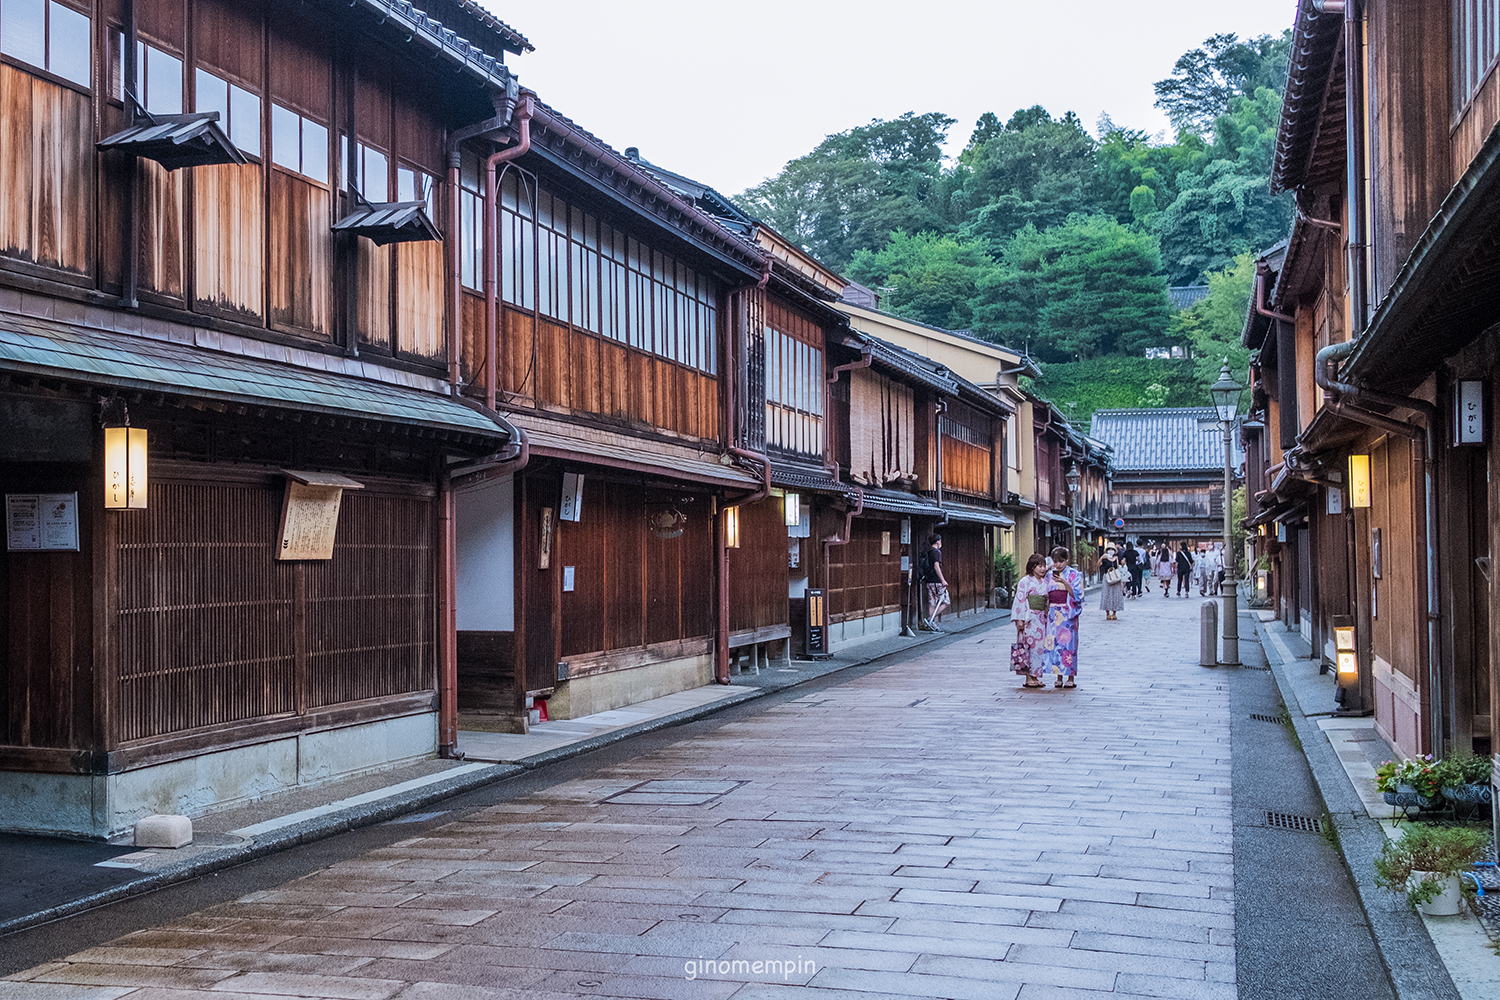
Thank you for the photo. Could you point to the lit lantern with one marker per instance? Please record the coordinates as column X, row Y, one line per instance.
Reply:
column 1343, row 644
column 1359, row 480
column 732, row 527
column 793, row 509
column 125, row 468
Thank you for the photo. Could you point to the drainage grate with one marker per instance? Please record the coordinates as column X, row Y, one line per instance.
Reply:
column 1288, row 821
column 1266, row 718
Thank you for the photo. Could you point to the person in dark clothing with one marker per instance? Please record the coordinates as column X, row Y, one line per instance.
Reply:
column 1135, row 564
column 1184, row 569
column 936, row 585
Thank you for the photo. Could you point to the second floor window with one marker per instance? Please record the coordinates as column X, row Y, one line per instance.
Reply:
column 238, row 108
column 299, row 144
column 48, row 35
column 1476, row 45
column 415, row 185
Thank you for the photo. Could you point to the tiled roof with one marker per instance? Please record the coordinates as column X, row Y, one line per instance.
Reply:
column 1166, row 440
column 1187, row 296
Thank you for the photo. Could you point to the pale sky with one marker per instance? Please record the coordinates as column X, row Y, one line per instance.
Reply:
column 728, row 92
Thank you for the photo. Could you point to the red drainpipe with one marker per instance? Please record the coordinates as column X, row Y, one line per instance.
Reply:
column 448, row 617
column 491, row 240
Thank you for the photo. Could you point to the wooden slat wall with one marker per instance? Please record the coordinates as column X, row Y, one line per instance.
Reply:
column 371, row 625
column 160, row 195
column 1397, row 623
column 46, row 172
column 212, row 630
column 862, row 582
column 631, row 588
column 882, row 441
column 302, row 245
column 570, row 369
column 374, row 282
column 965, row 556
column 967, row 440
column 229, row 238
column 758, row 568
column 46, row 630
column 419, row 300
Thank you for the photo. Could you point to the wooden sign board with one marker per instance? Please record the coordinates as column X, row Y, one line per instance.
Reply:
column 310, row 514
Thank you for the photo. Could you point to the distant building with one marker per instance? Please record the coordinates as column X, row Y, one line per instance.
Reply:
column 1168, row 472
column 1187, row 296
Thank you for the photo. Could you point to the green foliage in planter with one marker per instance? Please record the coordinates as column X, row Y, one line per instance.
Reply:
column 1006, row 571
column 1442, row 851
column 1463, row 769
column 1423, row 774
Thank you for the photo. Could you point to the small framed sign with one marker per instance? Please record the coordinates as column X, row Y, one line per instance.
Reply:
column 310, row 514
column 544, row 551
column 41, row 522
column 885, row 543
column 1335, row 500
column 572, row 497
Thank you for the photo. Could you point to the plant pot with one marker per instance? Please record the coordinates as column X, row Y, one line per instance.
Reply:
column 1446, row 903
column 1468, row 795
column 1407, row 797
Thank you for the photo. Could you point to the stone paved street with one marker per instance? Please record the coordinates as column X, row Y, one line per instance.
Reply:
column 927, row 829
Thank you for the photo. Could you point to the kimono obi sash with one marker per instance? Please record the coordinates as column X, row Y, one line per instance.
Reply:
column 1059, row 596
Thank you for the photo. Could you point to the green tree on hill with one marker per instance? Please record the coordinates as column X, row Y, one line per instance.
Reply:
column 1087, row 287
column 932, row 277
column 1204, row 80
column 859, row 186
column 1214, row 324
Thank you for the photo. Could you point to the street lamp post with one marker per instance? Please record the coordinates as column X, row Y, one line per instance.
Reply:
column 1226, row 396
column 1074, row 477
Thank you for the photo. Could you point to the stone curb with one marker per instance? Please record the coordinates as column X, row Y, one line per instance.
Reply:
column 401, row 803
column 1405, row 947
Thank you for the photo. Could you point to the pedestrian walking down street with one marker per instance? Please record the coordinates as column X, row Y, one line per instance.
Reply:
column 1064, row 607
column 1184, row 563
column 1164, row 572
column 1216, row 567
column 1135, row 565
column 1029, row 612
column 1112, row 601
column 936, row 585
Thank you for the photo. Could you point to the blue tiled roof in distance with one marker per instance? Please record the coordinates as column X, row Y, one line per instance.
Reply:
column 1164, row 440
column 1187, row 296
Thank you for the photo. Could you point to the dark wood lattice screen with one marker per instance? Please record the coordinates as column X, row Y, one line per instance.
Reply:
column 209, row 621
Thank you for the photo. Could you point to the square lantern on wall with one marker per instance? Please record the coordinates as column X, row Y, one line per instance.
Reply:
column 792, row 508
column 125, row 482
column 1359, row 480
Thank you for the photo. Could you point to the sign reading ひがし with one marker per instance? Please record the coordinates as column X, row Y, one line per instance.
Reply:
column 310, row 514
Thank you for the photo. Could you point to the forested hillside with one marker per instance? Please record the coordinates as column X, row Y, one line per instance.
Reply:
column 1053, row 238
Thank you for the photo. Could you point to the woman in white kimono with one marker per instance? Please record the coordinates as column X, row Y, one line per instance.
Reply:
column 1029, row 612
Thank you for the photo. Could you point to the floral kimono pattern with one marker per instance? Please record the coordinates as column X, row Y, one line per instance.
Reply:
column 1060, row 635
column 1033, row 622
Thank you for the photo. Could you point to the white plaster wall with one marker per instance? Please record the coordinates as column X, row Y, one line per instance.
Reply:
column 855, row 631
column 485, row 536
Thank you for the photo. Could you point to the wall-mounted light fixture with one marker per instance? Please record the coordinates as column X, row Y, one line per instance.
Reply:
column 732, row 527
column 1359, row 480
column 125, row 479
column 792, row 504
column 1346, row 656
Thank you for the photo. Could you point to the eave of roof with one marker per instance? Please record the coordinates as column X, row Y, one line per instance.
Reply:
column 1448, row 290
column 1007, row 353
column 49, row 349
column 564, row 144
column 1316, row 40
column 412, row 23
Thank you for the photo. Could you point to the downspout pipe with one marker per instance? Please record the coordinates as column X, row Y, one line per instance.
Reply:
column 522, row 117
column 942, row 408
column 448, row 616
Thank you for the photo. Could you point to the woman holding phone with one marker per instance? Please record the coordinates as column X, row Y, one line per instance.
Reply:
column 1064, row 607
column 1029, row 612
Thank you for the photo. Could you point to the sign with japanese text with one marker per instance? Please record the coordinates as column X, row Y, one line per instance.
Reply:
column 1468, row 413
column 41, row 522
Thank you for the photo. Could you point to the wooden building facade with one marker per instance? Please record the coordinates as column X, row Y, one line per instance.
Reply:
column 222, row 249
column 1376, row 327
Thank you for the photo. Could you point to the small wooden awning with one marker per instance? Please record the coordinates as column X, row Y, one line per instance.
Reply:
column 194, row 140
column 390, row 222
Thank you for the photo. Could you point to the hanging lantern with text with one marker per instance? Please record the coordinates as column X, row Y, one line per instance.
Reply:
column 1359, row 480
column 793, row 505
column 125, row 468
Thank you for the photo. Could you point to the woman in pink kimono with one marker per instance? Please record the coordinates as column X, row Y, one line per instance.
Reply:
column 1064, row 606
column 1029, row 612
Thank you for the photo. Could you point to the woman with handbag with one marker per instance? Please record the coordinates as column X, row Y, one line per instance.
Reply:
column 1029, row 612
column 1113, row 598
column 1064, row 609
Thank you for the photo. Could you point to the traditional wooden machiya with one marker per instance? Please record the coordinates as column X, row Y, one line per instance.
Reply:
column 227, row 352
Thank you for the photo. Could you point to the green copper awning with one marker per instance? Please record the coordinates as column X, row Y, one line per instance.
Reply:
column 95, row 357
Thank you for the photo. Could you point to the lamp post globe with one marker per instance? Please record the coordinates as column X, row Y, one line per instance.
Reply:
column 1225, row 394
column 1074, row 477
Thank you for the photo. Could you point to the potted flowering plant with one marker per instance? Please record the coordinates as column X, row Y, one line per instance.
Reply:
column 1465, row 779
column 1426, row 862
column 1411, row 783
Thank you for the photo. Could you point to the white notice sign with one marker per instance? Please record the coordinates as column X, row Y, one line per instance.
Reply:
column 309, row 520
column 41, row 522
